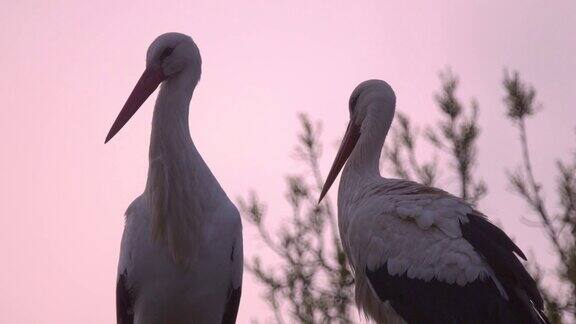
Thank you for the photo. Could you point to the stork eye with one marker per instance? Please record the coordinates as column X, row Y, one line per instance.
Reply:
column 166, row 52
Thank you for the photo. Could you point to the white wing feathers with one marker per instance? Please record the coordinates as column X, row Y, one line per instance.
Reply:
column 445, row 213
column 417, row 233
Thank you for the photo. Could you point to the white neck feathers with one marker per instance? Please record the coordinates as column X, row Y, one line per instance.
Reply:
column 363, row 165
column 364, row 161
column 181, row 190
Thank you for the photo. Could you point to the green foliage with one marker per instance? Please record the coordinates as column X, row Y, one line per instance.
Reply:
column 400, row 151
column 458, row 136
column 312, row 283
column 520, row 98
column 558, row 226
column 455, row 135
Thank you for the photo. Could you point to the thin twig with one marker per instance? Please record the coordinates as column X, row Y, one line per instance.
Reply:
column 535, row 198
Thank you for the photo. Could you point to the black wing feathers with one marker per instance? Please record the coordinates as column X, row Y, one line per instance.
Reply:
column 433, row 302
column 487, row 240
column 233, row 300
column 124, row 300
column 498, row 251
column 482, row 225
column 232, row 304
column 480, row 301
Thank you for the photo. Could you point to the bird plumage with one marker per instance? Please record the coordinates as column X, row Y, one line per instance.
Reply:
column 432, row 257
column 419, row 254
column 181, row 252
column 160, row 290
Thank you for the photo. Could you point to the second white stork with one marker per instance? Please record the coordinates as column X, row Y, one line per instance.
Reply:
column 181, row 251
column 420, row 254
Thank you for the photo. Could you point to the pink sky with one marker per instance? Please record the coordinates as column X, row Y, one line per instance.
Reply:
column 68, row 66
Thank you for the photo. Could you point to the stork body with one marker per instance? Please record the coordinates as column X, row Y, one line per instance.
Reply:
column 419, row 254
column 181, row 252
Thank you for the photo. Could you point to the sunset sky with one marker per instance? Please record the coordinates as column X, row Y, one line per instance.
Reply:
column 68, row 66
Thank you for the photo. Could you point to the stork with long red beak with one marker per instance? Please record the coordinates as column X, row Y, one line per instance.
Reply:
column 181, row 252
column 419, row 254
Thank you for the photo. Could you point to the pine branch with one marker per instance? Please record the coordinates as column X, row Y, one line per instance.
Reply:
column 521, row 103
column 458, row 135
column 312, row 282
column 401, row 152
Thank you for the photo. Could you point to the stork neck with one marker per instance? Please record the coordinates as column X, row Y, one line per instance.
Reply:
column 172, row 151
column 361, row 168
column 364, row 161
column 170, row 129
column 181, row 189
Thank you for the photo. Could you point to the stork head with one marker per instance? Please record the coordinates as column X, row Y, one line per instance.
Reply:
column 172, row 53
column 373, row 99
column 168, row 56
column 372, row 105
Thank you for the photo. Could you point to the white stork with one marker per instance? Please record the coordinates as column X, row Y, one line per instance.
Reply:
column 181, row 252
column 419, row 254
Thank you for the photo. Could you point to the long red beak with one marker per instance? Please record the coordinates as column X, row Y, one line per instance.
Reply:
column 148, row 82
column 348, row 143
